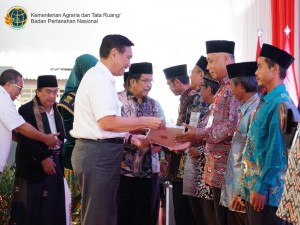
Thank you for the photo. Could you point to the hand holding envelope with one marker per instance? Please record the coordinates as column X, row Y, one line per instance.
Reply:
column 140, row 140
column 188, row 136
column 165, row 137
column 183, row 140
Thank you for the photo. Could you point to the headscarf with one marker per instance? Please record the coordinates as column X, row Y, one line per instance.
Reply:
column 66, row 104
column 82, row 64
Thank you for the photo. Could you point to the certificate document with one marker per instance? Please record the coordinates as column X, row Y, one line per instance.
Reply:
column 165, row 137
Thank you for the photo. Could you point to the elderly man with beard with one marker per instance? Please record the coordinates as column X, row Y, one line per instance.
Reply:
column 137, row 171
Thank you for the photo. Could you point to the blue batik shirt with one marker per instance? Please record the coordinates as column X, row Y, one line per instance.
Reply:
column 264, row 162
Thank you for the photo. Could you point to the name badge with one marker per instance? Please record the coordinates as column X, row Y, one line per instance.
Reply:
column 194, row 119
column 209, row 122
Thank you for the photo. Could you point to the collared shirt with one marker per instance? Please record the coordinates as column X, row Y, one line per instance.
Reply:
column 219, row 135
column 9, row 120
column 138, row 162
column 96, row 98
column 264, row 162
column 233, row 170
column 52, row 123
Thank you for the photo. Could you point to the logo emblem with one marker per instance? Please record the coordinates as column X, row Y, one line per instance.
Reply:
column 16, row 17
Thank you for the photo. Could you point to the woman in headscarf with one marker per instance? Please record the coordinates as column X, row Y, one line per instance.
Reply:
column 66, row 106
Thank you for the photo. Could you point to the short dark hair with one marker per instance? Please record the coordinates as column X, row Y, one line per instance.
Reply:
column 213, row 85
column 271, row 63
column 113, row 41
column 9, row 75
column 249, row 83
column 133, row 76
column 182, row 79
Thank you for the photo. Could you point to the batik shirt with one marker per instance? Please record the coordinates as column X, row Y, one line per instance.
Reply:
column 289, row 206
column 195, row 113
column 218, row 134
column 137, row 162
column 264, row 162
column 233, row 170
column 186, row 100
column 193, row 184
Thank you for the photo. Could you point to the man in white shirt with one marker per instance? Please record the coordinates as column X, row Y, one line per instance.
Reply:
column 101, row 132
column 11, row 84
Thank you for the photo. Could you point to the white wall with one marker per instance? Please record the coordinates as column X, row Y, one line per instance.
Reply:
column 166, row 33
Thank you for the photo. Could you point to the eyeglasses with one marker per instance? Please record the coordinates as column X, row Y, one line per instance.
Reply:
column 203, row 85
column 20, row 87
column 146, row 81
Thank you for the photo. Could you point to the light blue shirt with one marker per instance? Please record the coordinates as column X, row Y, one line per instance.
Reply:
column 233, row 169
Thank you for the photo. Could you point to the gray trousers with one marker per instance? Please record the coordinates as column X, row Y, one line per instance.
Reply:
column 97, row 166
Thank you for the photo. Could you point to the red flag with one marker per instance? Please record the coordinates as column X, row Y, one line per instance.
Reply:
column 290, row 79
column 258, row 47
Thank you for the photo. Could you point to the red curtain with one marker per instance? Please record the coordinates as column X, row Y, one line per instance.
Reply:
column 283, row 13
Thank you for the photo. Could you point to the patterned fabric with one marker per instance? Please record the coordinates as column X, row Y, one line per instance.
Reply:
column 233, row 170
column 75, row 196
column 193, row 184
column 219, row 135
column 264, row 162
column 137, row 162
column 66, row 108
column 198, row 105
column 289, row 206
column 186, row 100
column 195, row 113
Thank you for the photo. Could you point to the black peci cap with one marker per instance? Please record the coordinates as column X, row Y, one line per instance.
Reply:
column 243, row 69
column 216, row 46
column 207, row 77
column 46, row 81
column 281, row 57
column 202, row 63
column 176, row 71
column 141, row 68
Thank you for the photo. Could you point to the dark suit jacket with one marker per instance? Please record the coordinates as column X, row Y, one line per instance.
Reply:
column 30, row 153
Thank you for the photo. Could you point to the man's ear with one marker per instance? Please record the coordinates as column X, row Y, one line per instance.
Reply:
column 132, row 81
column 209, row 89
column 113, row 52
column 276, row 69
column 226, row 58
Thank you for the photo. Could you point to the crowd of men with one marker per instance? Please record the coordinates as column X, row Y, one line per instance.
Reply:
column 228, row 167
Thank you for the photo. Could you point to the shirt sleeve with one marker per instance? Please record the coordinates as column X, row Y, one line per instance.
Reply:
column 10, row 116
column 275, row 162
